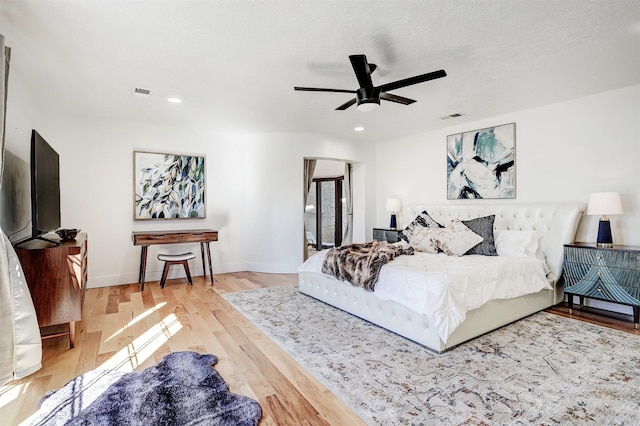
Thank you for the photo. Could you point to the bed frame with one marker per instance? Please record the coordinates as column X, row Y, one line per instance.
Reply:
column 558, row 222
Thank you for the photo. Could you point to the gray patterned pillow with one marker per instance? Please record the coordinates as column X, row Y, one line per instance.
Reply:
column 483, row 226
column 423, row 219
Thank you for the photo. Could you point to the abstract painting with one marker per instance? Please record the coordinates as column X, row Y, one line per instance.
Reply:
column 168, row 186
column 481, row 163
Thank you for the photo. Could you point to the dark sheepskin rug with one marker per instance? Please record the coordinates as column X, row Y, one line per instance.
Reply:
column 182, row 389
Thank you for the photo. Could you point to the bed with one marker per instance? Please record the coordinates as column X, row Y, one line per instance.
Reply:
column 554, row 223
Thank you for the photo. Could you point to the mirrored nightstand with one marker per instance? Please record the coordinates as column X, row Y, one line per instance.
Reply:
column 609, row 274
column 386, row 234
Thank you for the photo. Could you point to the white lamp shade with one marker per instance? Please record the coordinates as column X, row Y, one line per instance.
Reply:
column 604, row 204
column 393, row 205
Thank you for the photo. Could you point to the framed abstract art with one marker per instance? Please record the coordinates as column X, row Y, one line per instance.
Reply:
column 168, row 186
column 481, row 163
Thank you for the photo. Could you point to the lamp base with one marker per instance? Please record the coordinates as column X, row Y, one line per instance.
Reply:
column 393, row 224
column 605, row 239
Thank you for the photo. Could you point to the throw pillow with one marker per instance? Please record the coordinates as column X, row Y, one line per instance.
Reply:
column 517, row 243
column 456, row 239
column 422, row 220
column 483, row 226
column 421, row 240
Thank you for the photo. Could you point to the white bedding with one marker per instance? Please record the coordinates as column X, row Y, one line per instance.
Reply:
column 444, row 288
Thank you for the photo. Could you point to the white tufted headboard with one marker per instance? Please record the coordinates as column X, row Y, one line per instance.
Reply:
column 557, row 221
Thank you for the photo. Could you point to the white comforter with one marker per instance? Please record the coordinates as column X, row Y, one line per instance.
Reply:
column 444, row 288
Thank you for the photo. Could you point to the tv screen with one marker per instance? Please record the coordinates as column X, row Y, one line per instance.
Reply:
column 45, row 186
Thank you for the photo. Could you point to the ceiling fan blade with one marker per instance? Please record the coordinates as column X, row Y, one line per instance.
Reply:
column 347, row 104
column 362, row 70
column 396, row 98
column 317, row 89
column 413, row 80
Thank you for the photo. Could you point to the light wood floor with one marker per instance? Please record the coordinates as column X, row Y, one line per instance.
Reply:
column 125, row 329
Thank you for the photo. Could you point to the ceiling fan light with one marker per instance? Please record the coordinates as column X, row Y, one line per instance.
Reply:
column 368, row 98
column 368, row 106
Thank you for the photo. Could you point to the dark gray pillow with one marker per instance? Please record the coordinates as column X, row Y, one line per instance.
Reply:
column 483, row 226
column 423, row 219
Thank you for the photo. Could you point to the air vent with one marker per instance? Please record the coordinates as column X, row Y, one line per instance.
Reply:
column 456, row 115
column 143, row 93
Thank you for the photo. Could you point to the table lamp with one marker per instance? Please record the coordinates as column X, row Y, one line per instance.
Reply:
column 393, row 206
column 603, row 204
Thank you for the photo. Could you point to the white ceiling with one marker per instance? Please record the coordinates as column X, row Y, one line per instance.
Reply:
column 234, row 63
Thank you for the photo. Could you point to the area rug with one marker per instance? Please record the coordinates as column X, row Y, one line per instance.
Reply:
column 182, row 389
column 542, row 370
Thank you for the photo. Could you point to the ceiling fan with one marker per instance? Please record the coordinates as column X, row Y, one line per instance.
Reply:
column 368, row 96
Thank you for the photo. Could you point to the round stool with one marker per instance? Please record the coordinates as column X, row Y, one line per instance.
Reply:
column 175, row 259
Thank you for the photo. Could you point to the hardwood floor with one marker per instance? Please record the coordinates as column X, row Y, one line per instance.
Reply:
column 126, row 329
column 601, row 317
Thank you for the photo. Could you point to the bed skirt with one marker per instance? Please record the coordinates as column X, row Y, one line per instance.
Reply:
column 400, row 320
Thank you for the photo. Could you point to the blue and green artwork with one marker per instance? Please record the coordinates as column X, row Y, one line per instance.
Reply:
column 481, row 163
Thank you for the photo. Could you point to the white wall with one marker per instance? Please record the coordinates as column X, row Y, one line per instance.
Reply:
column 22, row 113
column 564, row 152
column 254, row 191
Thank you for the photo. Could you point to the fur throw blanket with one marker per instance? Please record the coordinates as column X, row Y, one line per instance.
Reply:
column 359, row 264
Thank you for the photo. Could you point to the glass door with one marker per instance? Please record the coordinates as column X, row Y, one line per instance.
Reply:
column 325, row 213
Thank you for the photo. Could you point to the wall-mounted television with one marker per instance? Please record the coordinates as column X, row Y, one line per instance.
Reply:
column 45, row 189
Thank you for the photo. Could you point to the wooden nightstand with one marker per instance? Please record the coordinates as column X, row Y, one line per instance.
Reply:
column 609, row 274
column 386, row 234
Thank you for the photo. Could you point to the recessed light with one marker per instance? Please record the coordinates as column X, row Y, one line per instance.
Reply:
column 359, row 129
column 174, row 100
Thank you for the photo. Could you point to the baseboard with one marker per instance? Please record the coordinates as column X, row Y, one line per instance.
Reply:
column 155, row 275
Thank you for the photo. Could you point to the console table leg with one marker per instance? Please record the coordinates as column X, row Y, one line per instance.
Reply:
column 204, row 265
column 72, row 334
column 636, row 317
column 143, row 266
column 209, row 258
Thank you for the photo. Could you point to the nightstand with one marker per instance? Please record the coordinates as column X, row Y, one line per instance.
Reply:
column 609, row 274
column 386, row 234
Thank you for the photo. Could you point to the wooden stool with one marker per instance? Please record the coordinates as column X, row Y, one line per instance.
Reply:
column 175, row 259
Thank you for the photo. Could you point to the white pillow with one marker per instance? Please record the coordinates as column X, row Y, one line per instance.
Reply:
column 455, row 240
column 519, row 243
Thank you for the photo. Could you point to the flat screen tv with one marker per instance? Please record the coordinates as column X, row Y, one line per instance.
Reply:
column 45, row 189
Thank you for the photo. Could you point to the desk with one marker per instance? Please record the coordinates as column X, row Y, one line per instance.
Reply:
column 147, row 238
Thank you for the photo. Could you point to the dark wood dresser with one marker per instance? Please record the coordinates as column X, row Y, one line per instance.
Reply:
column 57, row 277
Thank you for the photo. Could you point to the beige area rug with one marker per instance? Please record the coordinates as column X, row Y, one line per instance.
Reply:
column 542, row 370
